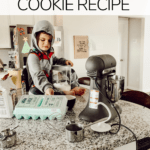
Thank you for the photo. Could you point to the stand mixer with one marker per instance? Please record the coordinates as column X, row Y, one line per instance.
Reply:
column 105, row 87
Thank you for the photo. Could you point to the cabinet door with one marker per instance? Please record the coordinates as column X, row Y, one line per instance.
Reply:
column 4, row 32
column 27, row 20
column 48, row 18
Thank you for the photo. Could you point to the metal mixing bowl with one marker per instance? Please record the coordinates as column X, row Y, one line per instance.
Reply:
column 114, row 87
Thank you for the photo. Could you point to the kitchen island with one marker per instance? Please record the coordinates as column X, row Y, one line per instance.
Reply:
column 47, row 135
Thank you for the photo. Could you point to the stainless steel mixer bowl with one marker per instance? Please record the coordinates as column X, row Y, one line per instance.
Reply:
column 114, row 87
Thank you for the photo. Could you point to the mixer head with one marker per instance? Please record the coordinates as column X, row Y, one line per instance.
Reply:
column 103, row 66
column 99, row 65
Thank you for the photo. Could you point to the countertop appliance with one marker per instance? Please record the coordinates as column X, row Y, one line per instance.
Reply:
column 105, row 87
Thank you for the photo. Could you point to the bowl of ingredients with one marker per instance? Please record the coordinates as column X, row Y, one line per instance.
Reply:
column 71, row 101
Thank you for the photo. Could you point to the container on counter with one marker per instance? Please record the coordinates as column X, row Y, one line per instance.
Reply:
column 8, row 98
column 41, row 106
column 23, row 88
column 7, row 138
column 16, row 76
column 61, row 77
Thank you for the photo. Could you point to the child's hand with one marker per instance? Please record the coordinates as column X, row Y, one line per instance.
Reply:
column 49, row 91
column 68, row 62
column 69, row 93
column 79, row 91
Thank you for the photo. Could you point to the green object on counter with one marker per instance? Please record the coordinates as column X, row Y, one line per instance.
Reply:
column 39, row 106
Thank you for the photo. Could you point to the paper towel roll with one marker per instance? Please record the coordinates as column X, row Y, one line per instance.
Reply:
column 16, row 77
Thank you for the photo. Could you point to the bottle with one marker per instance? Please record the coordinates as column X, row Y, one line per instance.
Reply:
column 25, row 74
column 24, row 78
column 23, row 87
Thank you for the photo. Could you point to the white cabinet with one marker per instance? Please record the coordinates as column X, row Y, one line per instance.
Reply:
column 27, row 20
column 4, row 32
column 6, row 21
column 30, row 20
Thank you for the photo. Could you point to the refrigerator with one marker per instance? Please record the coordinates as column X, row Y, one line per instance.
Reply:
column 21, row 43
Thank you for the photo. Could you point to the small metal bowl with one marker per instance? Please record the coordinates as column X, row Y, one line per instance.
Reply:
column 7, row 138
column 5, row 132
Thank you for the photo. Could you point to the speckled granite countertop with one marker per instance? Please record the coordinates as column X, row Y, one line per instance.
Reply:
column 47, row 135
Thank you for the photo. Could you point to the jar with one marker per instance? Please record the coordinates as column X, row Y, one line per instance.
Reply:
column 61, row 77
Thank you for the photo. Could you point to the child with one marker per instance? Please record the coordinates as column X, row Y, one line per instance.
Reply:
column 40, row 60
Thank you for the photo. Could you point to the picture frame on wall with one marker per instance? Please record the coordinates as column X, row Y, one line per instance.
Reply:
column 81, row 48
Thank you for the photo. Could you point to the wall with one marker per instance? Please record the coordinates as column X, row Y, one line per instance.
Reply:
column 135, row 37
column 103, row 37
column 58, row 20
column 4, row 56
column 146, row 56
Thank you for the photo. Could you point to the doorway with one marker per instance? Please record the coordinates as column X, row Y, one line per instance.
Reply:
column 123, row 48
column 130, row 46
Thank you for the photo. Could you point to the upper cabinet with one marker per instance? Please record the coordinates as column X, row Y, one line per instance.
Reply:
column 4, row 32
column 27, row 20
column 30, row 20
column 6, row 21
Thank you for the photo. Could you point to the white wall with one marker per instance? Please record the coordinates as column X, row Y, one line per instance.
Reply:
column 4, row 56
column 146, row 56
column 135, row 39
column 103, row 37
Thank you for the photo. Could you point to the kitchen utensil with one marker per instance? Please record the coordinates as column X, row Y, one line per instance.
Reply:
column 101, row 127
column 104, row 87
column 7, row 138
column 75, row 132
column 71, row 101
column 114, row 87
column 61, row 77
